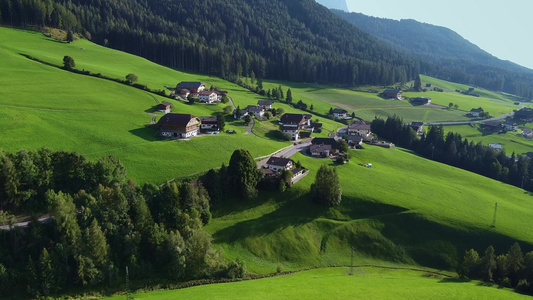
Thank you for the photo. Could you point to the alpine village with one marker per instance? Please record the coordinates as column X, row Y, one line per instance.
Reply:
column 251, row 149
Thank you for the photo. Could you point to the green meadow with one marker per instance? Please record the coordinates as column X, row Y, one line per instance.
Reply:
column 511, row 141
column 335, row 283
column 405, row 211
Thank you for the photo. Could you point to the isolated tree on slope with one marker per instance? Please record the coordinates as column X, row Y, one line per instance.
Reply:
column 68, row 63
column 326, row 189
column 418, row 84
column 244, row 174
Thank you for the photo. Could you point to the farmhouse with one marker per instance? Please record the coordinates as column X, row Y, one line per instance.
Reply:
column 193, row 88
column 418, row 127
column 278, row 163
column 420, row 100
column 354, row 140
column 476, row 112
column 164, row 107
column 392, row 94
column 291, row 124
column 255, row 110
column 323, row 147
column 510, row 126
column 266, row 104
column 361, row 128
column 174, row 125
column 297, row 120
column 339, row 113
column 220, row 94
column 207, row 96
column 209, row 124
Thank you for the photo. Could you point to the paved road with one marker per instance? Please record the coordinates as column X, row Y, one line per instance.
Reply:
column 471, row 122
column 42, row 219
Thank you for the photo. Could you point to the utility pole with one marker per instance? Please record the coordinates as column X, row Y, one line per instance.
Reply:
column 495, row 211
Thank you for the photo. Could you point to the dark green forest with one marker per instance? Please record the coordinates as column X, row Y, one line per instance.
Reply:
column 96, row 224
column 296, row 40
column 444, row 54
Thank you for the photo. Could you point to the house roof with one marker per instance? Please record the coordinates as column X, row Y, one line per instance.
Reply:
column 359, row 125
column 278, row 161
column 164, row 104
column 339, row 111
column 265, row 102
column 324, row 141
column 189, row 85
column 420, row 99
column 253, row 108
column 316, row 125
column 354, row 138
column 287, row 127
column 305, row 135
column 476, row 110
column 292, row 118
column 176, row 119
column 208, row 119
column 296, row 171
column 392, row 91
column 417, row 123
column 320, row 148
column 510, row 123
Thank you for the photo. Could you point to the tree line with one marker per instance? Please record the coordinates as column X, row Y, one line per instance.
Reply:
column 302, row 42
column 99, row 225
column 511, row 269
column 453, row 150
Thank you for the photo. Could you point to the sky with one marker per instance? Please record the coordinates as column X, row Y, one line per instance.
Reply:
column 503, row 28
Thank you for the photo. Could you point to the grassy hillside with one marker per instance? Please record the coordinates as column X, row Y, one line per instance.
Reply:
column 334, row 283
column 46, row 106
column 398, row 211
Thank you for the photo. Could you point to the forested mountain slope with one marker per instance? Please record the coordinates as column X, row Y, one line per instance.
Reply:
column 445, row 54
column 297, row 40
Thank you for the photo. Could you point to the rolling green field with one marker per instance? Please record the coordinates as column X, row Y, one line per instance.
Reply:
column 46, row 106
column 335, row 283
column 404, row 211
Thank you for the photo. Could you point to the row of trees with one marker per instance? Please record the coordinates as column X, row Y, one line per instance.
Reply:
column 99, row 225
column 511, row 269
column 452, row 149
column 305, row 42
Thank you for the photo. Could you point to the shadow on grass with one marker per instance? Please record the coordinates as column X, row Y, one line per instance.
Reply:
column 148, row 132
column 296, row 212
column 275, row 135
column 453, row 280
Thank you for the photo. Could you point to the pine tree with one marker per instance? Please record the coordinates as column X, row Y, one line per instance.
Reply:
column 289, row 95
column 488, row 264
column 418, row 84
column 281, row 92
column 47, row 275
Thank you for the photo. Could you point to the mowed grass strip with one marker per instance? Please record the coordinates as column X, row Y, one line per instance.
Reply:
column 335, row 283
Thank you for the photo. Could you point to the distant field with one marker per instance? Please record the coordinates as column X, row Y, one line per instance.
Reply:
column 511, row 141
column 367, row 105
column 335, row 283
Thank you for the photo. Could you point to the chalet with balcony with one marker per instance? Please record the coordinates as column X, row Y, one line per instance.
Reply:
column 185, row 88
column 209, row 124
column 208, row 96
column 173, row 125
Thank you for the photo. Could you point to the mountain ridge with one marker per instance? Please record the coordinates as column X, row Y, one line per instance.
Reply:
column 445, row 54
